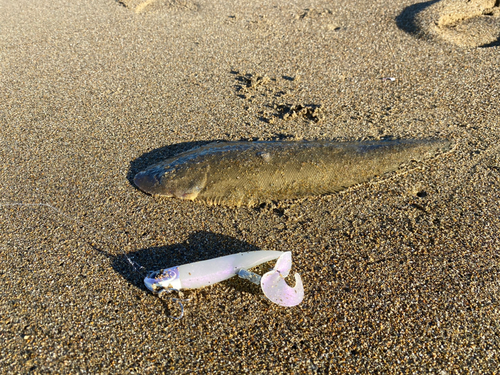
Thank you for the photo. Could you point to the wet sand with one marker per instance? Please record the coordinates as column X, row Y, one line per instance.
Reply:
column 401, row 274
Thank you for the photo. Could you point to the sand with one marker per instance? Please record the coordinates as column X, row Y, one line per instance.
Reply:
column 400, row 274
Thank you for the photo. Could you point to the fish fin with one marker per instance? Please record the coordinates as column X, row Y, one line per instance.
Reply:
column 190, row 196
column 220, row 200
column 318, row 191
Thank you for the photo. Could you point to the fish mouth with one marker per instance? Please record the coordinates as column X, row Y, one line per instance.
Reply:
column 148, row 183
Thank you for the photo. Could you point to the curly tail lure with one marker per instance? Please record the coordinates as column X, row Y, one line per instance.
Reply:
column 208, row 272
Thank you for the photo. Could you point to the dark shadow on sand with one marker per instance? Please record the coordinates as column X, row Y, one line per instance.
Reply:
column 495, row 43
column 406, row 19
column 199, row 246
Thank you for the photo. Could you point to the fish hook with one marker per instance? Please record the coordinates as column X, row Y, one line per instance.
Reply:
column 161, row 291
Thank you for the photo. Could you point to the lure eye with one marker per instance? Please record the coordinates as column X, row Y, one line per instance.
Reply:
column 166, row 278
column 275, row 288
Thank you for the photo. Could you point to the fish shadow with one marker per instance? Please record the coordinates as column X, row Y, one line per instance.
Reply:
column 200, row 245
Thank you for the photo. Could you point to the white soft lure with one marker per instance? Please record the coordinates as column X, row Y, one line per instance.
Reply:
column 275, row 287
column 208, row 272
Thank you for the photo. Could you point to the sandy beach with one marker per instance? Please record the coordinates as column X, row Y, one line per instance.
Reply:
column 401, row 274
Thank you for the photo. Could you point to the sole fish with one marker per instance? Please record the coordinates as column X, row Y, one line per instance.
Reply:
column 249, row 173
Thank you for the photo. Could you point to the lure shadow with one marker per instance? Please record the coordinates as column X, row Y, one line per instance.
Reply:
column 199, row 246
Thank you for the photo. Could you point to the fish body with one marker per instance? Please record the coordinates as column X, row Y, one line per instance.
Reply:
column 249, row 173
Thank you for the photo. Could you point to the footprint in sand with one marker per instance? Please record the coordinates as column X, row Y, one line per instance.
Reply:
column 466, row 23
column 145, row 6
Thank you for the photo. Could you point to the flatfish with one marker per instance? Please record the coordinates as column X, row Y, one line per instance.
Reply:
column 249, row 173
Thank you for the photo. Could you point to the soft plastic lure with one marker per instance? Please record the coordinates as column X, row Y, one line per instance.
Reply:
column 208, row 272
